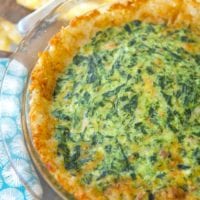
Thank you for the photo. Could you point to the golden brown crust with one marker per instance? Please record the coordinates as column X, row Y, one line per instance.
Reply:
column 63, row 47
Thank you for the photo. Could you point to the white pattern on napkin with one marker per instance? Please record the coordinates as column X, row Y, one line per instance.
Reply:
column 11, row 194
column 8, row 127
column 17, row 159
column 10, row 177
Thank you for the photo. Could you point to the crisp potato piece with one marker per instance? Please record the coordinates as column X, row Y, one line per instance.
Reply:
column 9, row 36
column 34, row 4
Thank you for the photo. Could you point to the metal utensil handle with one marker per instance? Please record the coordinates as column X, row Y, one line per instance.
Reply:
column 27, row 23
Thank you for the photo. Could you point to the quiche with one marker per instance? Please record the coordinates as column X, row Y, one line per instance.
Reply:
column 115, row 102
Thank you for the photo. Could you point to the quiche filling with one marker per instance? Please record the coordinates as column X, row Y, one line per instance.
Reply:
column 128, row 108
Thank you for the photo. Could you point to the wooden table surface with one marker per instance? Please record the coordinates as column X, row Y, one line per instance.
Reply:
column 13, row 12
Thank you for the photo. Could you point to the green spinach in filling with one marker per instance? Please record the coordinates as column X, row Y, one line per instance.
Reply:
column 129, row 102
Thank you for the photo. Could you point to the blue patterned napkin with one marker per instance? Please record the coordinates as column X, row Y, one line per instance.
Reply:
column 13, row 187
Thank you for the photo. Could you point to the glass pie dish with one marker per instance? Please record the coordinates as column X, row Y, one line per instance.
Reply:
column 24, row 60
column 135, row 138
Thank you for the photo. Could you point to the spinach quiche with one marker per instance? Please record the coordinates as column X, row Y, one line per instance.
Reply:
column 115, row 102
